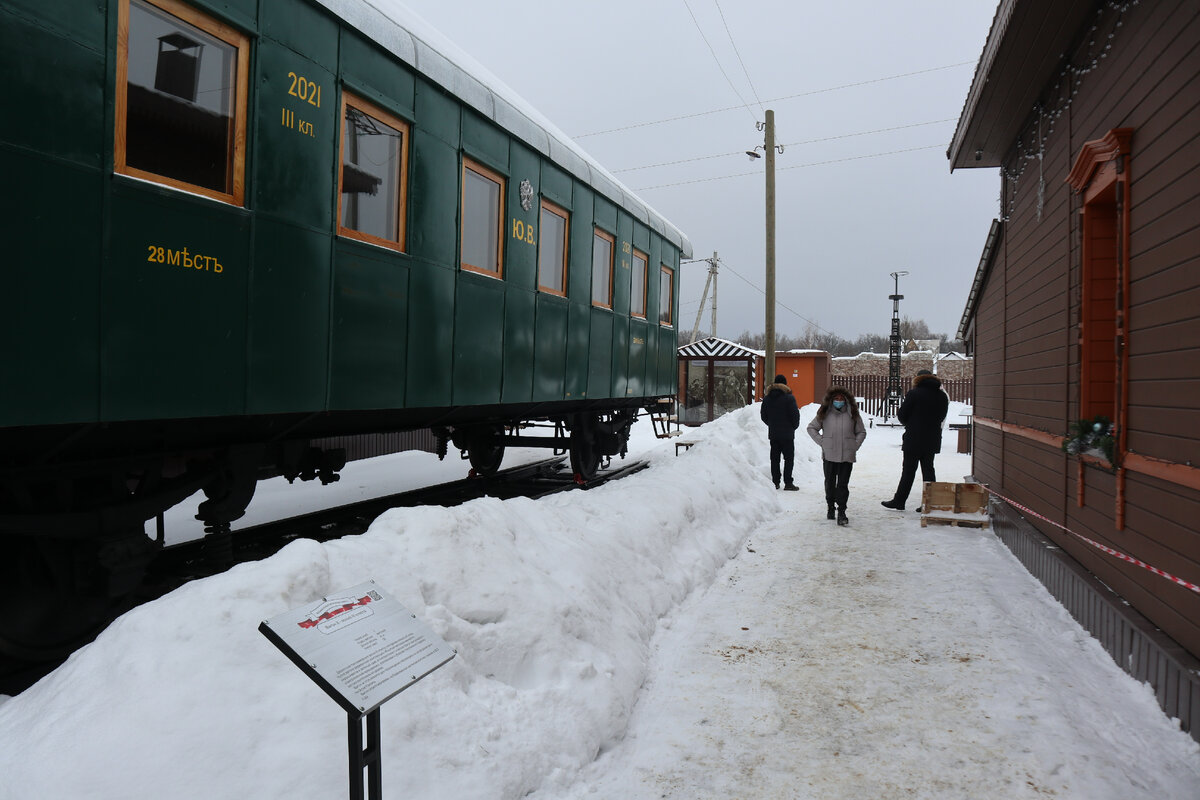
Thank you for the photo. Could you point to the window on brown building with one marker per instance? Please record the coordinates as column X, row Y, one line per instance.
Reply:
column 1101, row 176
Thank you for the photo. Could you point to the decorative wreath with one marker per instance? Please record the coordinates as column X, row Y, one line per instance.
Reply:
column 1093, row 437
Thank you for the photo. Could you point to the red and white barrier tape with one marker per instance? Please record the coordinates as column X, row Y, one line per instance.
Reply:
column 1098, row 546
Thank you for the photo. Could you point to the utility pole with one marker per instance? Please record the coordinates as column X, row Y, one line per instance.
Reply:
column 769, row 127
column 893, row 387
column 713, row 271
column 710, row 280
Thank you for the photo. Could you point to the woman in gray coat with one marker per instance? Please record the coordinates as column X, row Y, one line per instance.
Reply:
column 838, row 428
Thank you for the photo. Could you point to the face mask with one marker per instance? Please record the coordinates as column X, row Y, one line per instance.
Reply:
column 839, row 404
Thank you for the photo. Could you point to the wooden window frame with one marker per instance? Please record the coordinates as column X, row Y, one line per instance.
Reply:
column 565, row 215
column 236, row 161
column 600, row 233
column 496, row 177
column 670, row 304
column 351, row 100
column 1102, row 169
column 645, row 284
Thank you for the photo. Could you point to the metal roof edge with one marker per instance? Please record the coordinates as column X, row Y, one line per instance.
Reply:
column 426, row 58
column 986, row 259
column 991, row 46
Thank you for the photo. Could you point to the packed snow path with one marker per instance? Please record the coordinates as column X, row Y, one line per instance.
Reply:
column 686, row 633
column 878, row 660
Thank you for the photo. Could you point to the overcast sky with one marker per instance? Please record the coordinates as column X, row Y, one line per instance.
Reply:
column 850, row 208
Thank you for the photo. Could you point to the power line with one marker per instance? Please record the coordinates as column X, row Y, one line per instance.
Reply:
column 776, row 100
column 795, row 166
column 714, row 55
column 737, row 53
column 781, row 305
column 792, row 144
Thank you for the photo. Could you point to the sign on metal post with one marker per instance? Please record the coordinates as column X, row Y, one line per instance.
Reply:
column 362, row 648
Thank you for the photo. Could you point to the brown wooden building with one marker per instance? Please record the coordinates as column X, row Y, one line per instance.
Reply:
column 1086, row 305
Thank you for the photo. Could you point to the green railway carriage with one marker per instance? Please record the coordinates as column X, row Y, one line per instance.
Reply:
column 233, row 227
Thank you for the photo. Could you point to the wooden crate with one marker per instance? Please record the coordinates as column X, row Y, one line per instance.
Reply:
column 963, row 504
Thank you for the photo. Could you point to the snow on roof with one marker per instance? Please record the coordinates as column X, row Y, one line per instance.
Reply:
column 400, row 31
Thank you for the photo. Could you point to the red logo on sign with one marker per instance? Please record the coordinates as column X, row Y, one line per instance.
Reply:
column 312, row 622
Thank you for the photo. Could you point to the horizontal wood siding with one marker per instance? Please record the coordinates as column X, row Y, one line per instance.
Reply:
column 1164, row 338
column 989, row 347
column 1026, row 338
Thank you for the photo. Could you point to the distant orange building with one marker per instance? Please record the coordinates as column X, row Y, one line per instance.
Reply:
column 807, row 371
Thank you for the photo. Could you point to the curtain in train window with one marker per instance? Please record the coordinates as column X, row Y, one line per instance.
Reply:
column 374, row 172
column 181, row 97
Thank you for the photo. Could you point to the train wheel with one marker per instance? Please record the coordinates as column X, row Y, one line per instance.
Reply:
column 485, row 451
column 585, row 456
column 44, row 613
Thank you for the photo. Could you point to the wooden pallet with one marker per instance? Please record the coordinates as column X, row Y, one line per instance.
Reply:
column 950, row 503
column 961, row 523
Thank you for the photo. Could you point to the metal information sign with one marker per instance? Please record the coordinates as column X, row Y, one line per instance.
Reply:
column 363, row 648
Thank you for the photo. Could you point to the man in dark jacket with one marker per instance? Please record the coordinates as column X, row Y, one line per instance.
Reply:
column 921, row 414
column 782, row 415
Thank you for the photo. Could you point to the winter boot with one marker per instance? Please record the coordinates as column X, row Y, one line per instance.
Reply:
column 830, row 514
column 893, row 505
column 791, row 487
column 841, row 517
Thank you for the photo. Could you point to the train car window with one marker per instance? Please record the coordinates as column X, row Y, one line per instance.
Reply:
column 373, row 174
column 552, row 249
column 666, row 297
column 637, row 287
column 482, row 218
column 182, row 81
column 602, row 268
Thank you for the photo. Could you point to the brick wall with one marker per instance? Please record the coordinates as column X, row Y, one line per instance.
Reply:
column 876, row 364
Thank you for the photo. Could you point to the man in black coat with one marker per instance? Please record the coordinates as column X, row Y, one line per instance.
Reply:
column 921, row 414
column 782, row 415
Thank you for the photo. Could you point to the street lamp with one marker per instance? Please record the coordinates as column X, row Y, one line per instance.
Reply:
column 893, row 388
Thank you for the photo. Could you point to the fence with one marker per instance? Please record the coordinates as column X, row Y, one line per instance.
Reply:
column 871, row 391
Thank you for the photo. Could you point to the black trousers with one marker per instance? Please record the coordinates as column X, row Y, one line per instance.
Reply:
column 908, row 473
column 837, row 482
column 787, row 449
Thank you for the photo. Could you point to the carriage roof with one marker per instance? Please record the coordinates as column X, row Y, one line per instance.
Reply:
column 403, row 33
